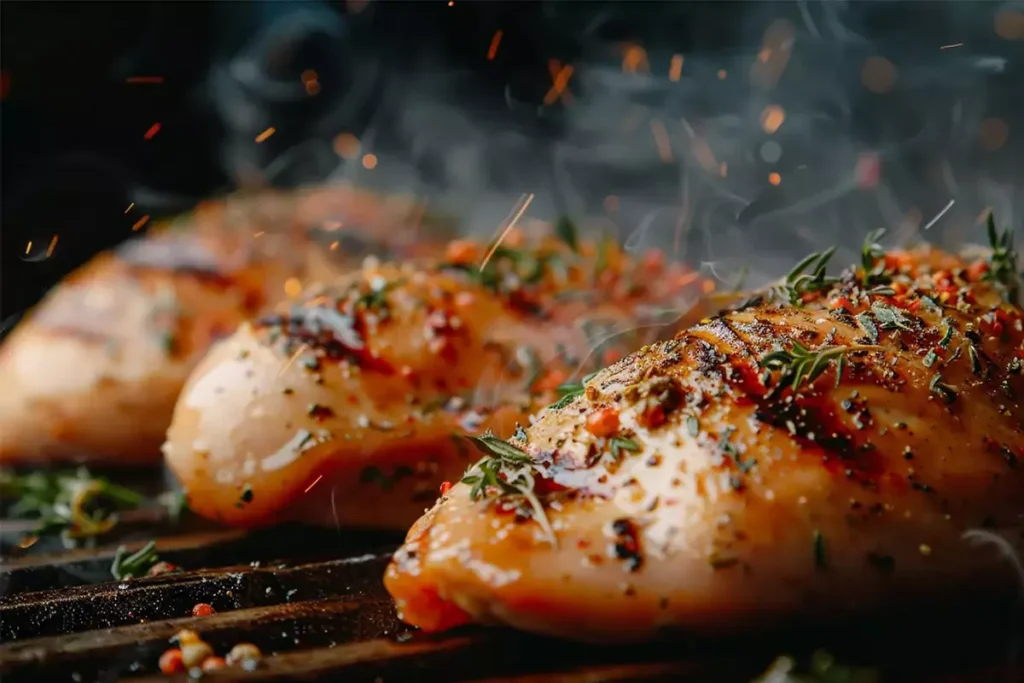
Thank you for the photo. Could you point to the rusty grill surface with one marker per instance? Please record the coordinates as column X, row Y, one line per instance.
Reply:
column 313, row 602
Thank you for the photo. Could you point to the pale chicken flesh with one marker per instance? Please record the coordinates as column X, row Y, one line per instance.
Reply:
column 819, row 451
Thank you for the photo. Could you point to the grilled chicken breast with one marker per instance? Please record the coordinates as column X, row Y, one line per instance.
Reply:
column 92, row 374
column 819, row 451
column 342, row 409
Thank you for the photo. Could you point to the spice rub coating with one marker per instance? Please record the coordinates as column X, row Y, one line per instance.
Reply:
column 344, row 408
column 816, row 452
column 93, row 372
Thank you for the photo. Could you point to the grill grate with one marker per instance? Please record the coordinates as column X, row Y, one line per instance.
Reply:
column 312, row 600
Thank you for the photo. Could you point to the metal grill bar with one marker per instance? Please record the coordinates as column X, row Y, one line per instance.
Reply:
column 318, row 617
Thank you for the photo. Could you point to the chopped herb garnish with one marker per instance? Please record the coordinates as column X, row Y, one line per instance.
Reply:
column 868, row 325
column 570, row 390
column 621, row 443
column 77, row 505
column 375, row 475
column 947, row 334
column 889, row 318
column 944, row 391
column 930, row 358
column 247, row 494
column 506, row 472
column 377, row 298
column 972, row 353
column 872, row 259
column 135, row 565
column 800, row 363
column 798, row 282
column 1003, row 261
column 566, row 231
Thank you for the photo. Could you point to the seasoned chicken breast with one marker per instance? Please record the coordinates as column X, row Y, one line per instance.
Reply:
column 343, row 409
column 817, row 452
column 92, row 374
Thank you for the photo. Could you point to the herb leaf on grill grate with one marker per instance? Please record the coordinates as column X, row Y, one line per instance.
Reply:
column 135, row 565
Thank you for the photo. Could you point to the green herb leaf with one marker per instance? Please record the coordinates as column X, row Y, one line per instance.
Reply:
column 889, row 318
column 566, row 231
column 135, row 565
column 872, row 259
column 800, row 363
column 943, row 391
column 620, row 443
column 798, row 282
column 1003, row 267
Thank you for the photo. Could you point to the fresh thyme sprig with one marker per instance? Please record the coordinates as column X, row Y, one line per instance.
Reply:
column 570, row 390
column 872, row 260
column 815, row 279
column 77, row 505
column 566, row 231
column 505, row 472
column 508, row 267
column 800, row 363
column 1003, row 261
column 135, row 565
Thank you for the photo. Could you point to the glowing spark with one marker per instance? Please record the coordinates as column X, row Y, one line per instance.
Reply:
column 346, row 145
column 298, row 352
column 312, row 88
column 675, row 69
column 144, row 79
column 141, row 222
column 492, row 51
column 334, row 245
column 315, row 481
column 451, row 3
column 772, row 118
column 635, row 59
column 308, row 75
column 722, row 74
column 560, row 76
column 265, row 134
column 369, row 161
column 950, row 47
column 130, row 207
column 258, row 234
column 153, row 130
column 774, row 178
column 940, row 214
column 53, row 245
column 764, row 55
column 292, row 287
column 515, row 214
column 28, row 248
column 662, row 140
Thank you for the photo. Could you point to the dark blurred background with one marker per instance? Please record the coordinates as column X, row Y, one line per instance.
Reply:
column 735, row 133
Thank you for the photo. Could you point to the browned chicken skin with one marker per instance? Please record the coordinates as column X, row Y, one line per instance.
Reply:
column 343, row 409
column 92, row 374
column 731, row 478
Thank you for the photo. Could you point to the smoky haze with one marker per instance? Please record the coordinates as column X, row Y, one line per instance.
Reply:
column 722, row 131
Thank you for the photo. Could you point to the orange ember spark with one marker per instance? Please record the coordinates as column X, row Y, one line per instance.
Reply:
column 258, row 234
column 722, row 73
column 772, row 118
column 298, row 352
column 492, row 51
column 28, row 247
column 141, row 222
column 265, row 134
column 369, row 161
column 334, row 245
column 675, row 69
column 308, row 75
column 53, row 245
column 130, row 207
column 774, row 178
column 950, row 47
column 560, row 76
column 313, row 87
column 153, row 130
column 346, row 145
column 292, row 287
column 635, row 59
column 662, row 140
column 515, row 214
column 315, row 481
column 145, row 79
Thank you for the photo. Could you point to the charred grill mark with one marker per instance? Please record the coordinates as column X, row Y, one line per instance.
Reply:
column 179, row 255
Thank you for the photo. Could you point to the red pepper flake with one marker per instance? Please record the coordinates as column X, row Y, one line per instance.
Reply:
column 841, row 303
column 914, row 305
column 603, row 422
column 446, row 486
column 153, row 130
column 461, row 252
column 171, row 661
column 203, row 609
